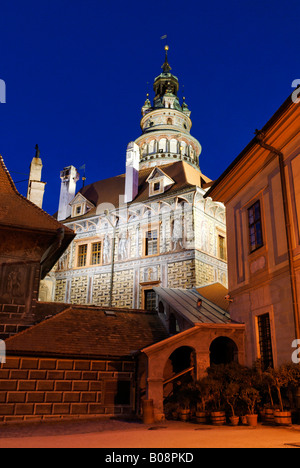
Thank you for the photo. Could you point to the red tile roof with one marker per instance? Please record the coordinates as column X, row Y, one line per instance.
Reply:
column 85, row 332
column 109, row 191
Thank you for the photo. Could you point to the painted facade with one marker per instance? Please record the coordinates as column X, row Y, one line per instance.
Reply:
column 148, row 227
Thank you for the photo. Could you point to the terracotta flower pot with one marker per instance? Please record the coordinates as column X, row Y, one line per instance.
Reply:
column 244, row 420
column 234, row 420
column 252, row 420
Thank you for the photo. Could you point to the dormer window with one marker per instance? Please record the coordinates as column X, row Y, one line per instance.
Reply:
column 80, row 205
column 156, row 187
column 78, row 210
column 158, row 182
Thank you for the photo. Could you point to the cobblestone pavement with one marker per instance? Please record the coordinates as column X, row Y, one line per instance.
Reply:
column 125, row 434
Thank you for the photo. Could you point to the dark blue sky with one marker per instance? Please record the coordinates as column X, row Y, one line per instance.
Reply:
column 76, row 73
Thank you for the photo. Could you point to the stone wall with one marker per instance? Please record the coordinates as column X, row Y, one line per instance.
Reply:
column 42, row 388
column 16, row 313
column 60, row 291
column 182, row 274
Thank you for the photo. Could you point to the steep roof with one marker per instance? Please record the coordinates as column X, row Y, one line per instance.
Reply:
column 19, row 213
column 109, row 191
column 184, row 301
column 84, row 332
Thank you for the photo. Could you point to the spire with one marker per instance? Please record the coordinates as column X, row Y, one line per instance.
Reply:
column 166, row 67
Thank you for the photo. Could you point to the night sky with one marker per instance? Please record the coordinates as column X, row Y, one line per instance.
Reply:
column 76, row 73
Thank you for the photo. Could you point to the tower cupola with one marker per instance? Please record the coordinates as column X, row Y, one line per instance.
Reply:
column 166, row 125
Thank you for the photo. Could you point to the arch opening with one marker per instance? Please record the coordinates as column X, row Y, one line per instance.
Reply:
column 223, row 350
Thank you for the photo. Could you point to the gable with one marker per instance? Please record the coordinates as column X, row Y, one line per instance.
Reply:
column 79, row 199
column 159, row 182
column 159, row 174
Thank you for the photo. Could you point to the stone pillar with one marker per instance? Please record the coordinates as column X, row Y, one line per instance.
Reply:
column 155, row 392
column 202, row 363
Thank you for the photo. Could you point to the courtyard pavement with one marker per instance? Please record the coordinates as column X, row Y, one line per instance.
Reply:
column 114, row 434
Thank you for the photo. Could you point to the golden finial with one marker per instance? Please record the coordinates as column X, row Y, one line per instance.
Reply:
column 166, row 67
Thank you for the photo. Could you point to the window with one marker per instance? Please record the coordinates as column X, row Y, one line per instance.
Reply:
column 265, row 341
column 255, row 227
column 96, row 253
column 222, row 247
column 156, row 186
column 78, row 210
column 151, row 243
column 150, row 299
column 82, row 255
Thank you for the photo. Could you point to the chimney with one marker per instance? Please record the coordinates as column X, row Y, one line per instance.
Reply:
column 132, row 172
column 69, row 178
column 36, row 188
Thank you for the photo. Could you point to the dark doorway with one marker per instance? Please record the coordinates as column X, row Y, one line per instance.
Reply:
column 223, row 350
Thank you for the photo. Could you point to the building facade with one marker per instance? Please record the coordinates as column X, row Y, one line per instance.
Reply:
column 148, row 227
column 260, row 190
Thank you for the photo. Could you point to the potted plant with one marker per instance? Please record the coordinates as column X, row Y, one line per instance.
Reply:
column 202, row 398
column 171, row 410
column 251, row 397
column 183, row 399
column 215, row 387
column 267, row 386
column 232, row 395
column 280, row 379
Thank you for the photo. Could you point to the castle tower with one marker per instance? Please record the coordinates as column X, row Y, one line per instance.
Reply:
column 166, row 125
column 36, row 188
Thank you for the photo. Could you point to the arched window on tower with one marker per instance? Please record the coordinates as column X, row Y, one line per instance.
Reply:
column 163, row 145
column 152, row 147
column 170, row 121
column 173, row 146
